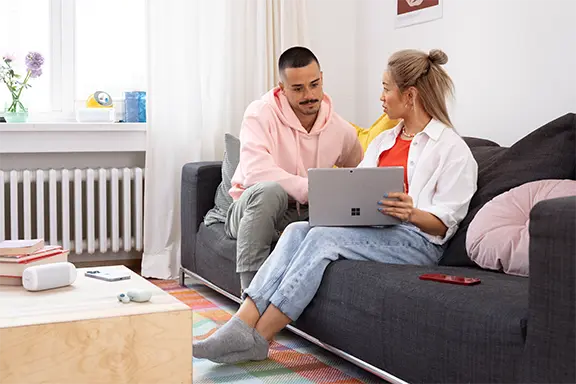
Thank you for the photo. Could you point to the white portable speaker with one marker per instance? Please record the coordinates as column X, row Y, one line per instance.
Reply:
column 48, row 276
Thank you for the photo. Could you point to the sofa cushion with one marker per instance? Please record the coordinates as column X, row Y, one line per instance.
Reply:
column 215, row 258
column 214, row 237
column 547, row 153
column 478, row 142
column 365, row 136
column 223, row 200
column 422, row 331
column 498, row 237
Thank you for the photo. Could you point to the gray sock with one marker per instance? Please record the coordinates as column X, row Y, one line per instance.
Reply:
column 246, row 279
column 257, row 353
column 234, row 336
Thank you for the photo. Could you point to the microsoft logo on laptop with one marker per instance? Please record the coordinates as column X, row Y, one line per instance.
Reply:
column 355, row 211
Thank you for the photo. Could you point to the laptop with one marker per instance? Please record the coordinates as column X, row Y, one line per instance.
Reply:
column 349, row 196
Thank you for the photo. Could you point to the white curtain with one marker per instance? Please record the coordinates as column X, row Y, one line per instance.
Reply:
column 207, row 60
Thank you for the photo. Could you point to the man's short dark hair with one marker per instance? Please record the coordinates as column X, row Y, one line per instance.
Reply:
column 296, row 57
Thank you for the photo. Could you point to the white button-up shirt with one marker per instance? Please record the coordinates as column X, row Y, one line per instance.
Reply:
column 442, row 173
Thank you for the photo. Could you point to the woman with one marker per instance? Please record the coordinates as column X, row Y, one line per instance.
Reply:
column 440, row 178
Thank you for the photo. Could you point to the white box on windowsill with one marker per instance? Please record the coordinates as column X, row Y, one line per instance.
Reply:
column 95, row 115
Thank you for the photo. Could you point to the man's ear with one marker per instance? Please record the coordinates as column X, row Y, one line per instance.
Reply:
column 281, row 85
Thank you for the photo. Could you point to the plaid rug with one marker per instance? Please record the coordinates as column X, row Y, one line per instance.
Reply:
column 291, row 359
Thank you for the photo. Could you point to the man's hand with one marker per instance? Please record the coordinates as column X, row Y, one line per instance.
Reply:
column 403, row 208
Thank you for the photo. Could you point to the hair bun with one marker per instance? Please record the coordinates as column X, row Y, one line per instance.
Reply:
column 437, row 56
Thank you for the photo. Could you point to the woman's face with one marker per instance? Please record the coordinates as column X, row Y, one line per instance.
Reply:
column 393, row 102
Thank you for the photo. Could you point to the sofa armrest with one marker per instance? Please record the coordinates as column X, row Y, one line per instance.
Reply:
column 199, row 183
column 551, row 341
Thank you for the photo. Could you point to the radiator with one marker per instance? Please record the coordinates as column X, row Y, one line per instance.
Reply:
column 84, row 210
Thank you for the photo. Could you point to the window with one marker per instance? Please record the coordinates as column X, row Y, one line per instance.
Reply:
column 25, row 27
column 88, row 46
column 110, row 55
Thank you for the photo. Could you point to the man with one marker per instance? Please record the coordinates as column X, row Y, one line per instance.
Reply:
column 291, row 129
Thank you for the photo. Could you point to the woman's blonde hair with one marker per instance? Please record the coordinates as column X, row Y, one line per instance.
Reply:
column 412, row 68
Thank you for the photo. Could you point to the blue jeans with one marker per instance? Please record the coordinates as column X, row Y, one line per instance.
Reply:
column 290, row 277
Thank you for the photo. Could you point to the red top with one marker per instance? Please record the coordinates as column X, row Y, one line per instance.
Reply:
column 397, row 156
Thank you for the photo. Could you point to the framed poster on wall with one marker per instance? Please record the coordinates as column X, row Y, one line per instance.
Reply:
column 410, row 12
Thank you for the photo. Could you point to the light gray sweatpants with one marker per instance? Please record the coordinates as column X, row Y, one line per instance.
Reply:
column 255, row 219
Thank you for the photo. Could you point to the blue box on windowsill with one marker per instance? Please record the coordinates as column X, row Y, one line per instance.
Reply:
column 135, row 107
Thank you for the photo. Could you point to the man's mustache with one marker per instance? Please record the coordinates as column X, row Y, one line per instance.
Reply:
column 308, row 101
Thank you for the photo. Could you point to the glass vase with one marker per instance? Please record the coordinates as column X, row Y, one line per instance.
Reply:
column 16, row 112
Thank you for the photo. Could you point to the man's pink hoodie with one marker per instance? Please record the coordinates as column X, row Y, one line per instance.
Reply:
column 276, row 147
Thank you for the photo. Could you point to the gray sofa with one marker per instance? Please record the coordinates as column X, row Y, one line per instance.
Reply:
column 507, row 329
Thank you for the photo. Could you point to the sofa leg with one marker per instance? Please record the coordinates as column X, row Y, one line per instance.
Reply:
column 181, row 277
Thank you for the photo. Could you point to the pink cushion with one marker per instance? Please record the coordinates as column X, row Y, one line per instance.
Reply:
column 498, row 235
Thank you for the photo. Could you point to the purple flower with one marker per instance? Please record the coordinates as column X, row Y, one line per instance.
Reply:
column 34, row 60
column 34, row 73
column 8, row 57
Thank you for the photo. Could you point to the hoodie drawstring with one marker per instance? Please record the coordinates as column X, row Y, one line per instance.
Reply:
column 297, row 138
column 318, row 150
column 317, row 164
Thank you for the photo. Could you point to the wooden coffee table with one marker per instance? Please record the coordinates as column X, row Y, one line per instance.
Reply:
column 83, row 334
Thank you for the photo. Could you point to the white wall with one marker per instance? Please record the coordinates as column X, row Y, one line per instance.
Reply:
column 513, row 61
column 71, row 160
column 332, row 27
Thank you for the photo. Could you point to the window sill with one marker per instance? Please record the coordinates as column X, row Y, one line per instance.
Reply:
column 72, row 137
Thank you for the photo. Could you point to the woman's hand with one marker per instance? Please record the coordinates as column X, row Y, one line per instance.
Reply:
column 403, row 208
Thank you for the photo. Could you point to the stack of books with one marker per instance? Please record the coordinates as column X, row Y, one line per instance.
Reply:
column 17, row 255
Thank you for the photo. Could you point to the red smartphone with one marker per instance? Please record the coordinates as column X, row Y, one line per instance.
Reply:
column 450, row 279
